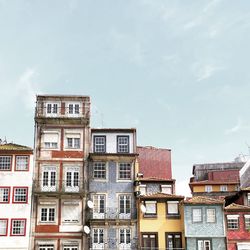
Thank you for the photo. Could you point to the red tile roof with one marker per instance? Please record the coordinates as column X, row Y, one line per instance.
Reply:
column 161, row 196
column 203, row 200
column 155, row 163
column 234, row 206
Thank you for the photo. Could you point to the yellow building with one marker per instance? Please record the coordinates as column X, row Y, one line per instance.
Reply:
column 161, row 221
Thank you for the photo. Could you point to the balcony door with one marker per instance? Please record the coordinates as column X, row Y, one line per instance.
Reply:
column 72, row 179
column 149, row 241
column 99, row 206
column 48, row 183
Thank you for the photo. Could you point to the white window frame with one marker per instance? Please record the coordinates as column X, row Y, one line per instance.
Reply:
column 98, row 238
column 22, row 163
column 166, row 189
column 233, row 222
column 223, row 188
column 4, row 192
column 211, row 215
column 51, row 143
column 5, row 165
column 99, row 146
column 248, row 199
column 99, row 170
column 126, row 173
column 122, row 143
column 143, row 189
column 125, row 202
column 208, row 188
column 52, row 109
column 176, row 211
column 49, row 181
column 99, row 209
column 46, row 247
column 21, row 227
column 151, row 207
column 202, row 244
column 49, row 210
column 72, row 179
column 19, row 193
column 247, row 221
column 73, row 109
column 196, row 218
column 3, row 227
column 125, row 236
column 71, row 247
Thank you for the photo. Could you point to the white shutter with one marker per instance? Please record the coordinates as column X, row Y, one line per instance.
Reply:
column 71, row 213
column 50, row 137
column 172, row 207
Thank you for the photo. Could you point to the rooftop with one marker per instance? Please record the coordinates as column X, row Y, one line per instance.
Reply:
column 14, row 147
column 235, row 206
column 203, row 200
column 113, row 130
column 161, row 196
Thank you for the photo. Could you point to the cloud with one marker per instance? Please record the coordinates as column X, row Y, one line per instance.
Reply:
column 238, row 127
column 182, row 188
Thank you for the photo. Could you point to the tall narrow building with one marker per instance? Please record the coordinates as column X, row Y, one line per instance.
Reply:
column 112, row 215
column 60, row 178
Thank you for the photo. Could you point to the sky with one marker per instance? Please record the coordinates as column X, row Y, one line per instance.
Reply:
column 178, row 71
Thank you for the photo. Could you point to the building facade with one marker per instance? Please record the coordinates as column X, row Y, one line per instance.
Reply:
column 16, row 168
column 238, row 227
column 204, row 224
column 62, row 137
column 112, row 162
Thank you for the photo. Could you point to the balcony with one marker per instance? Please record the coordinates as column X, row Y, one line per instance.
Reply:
column 62, row 112
column 112, row 213
column 55, row 186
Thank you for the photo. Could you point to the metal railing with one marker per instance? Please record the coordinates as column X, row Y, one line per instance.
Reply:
column 58, row 186
column 62, row 112
column 113, row 213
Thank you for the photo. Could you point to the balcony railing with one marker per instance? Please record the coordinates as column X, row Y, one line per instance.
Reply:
column 63, row 186
column 62, row 112
column 112, row 213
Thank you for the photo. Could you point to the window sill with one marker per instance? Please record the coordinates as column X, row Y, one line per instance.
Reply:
column 174, row 216
column 150, row 215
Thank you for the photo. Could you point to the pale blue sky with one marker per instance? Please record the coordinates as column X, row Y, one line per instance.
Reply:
column 178, row 71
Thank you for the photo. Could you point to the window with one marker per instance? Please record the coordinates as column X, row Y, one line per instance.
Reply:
column 71, row 211
column 124, row 206
column 20, row 195
column 46, row 247
column 247, row 221
column 196, row 214
column 70, row 248
column 99, row 206
column 74, row 109
column 124, row 238
column 232, row 221
column 5, row 163
column 204, row 245
column 22, row 163
column 99, row 144
column 72, row 179
column 149, row 241
column 166, row 189
column 173, row 241
column 4, row 194
column 98, row 238
column 211, row 215
column 208, row 188
column 143, row 189
column 124, row 171
column 122, row 144
column 173, row 208
column 248, row 199
column 47, row 214
column 18, row 227
column 3, row 227
column 50, row 140
column 223, row 188
column 99, row 170
column 49, row 179
column 52, row 108
column 73, row 142
column 151, row 207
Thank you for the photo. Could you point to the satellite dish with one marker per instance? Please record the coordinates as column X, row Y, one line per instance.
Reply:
column 86, row 229
column 143, row 208
column 90, row 204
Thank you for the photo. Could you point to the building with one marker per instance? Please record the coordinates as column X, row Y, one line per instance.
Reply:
column 62, row 137
column 16, row 168
column 245, row 175
column 204, row 223
column 161, row 221
column 160, row 226
column 238, row 226
column 112, row 162
column 215, row 179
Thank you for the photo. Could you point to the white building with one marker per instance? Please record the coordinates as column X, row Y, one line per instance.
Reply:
column 16, row 168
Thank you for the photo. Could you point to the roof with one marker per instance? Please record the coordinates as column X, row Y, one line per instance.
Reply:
column 245, row 189
column 203, row 200
column 14, row 147
column 153, row 179
column 218, row 166
column 113, row 130
column 235, row 206
column 161, row 196
column 155, row 163
column 62, row 96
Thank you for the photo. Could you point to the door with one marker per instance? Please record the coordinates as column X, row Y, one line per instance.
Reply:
column 72, row 179
column 99, row 206
column 149, row 241
column 49, row 179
